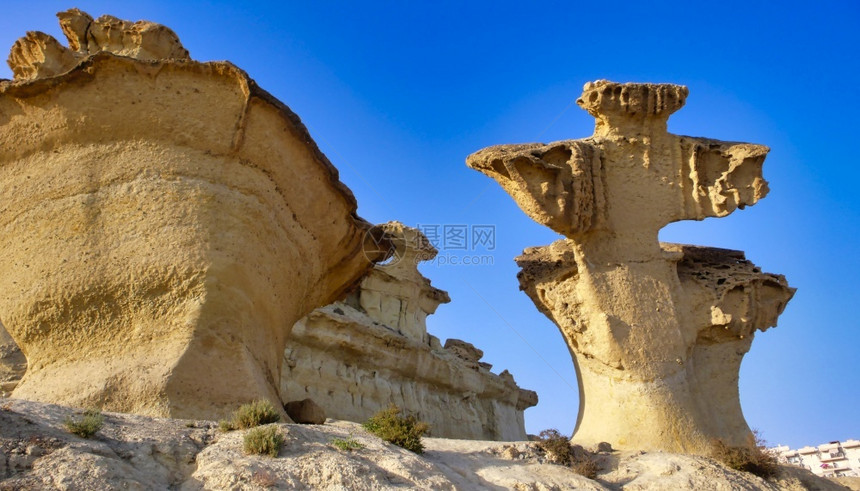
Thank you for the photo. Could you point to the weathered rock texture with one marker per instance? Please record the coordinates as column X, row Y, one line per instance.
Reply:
column 164, row 223
column 657, row 331
column 356, row 357
column 137, row 452
column 13, row 364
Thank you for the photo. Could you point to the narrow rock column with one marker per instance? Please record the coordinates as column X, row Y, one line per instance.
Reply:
column 656, row 345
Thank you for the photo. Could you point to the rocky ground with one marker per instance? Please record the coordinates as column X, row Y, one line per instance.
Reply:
column 137, row 452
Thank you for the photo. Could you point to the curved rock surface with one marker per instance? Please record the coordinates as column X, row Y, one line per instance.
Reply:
column 164, row 223
column 657, row 331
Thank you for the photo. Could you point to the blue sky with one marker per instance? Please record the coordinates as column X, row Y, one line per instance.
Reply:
column 397, row 94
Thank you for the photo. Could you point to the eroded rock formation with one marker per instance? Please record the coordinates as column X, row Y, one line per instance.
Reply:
column 657, row 331
column 356, row 357
column 164, row 223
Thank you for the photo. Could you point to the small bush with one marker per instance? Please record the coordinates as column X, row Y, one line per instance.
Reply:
column 556, row 445
column 753, row 458
column 402, row 430
column 260, row 412
column 265, row 440
column 561, row 452
column 347, row 444
column 87, row 424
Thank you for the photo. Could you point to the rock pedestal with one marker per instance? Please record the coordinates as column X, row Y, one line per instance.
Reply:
column 657, row 331
column 164, row 223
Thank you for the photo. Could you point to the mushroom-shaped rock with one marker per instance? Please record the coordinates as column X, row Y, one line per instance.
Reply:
column 657, row 331
column 164, row 223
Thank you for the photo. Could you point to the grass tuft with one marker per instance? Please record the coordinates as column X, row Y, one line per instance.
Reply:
column 347, row 444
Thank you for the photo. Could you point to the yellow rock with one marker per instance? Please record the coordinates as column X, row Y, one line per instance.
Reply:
column 164, row 224
column 657, row 331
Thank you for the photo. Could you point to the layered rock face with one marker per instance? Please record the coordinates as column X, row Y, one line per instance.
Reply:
column 164, row 223
column 356, row 357
column 657, row 331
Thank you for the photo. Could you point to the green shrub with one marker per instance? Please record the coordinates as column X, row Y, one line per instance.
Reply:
column 259, row 412
column 753, row 458
column 264, row 440
column 87, row 424
column 394, row 427
column 561, row 452
column 347, row 444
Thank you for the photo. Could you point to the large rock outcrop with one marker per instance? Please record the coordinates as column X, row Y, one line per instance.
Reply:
column 164, row 223
column 356, row 357
column 657, row 331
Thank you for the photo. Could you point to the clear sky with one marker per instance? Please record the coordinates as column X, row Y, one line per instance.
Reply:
column 397, row 94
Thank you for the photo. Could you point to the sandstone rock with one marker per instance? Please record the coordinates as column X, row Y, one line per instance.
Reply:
column 463, row 350
column 305, row 411
column 13, row 364
column 397, row 294
column 38, row 55
column 657, row 330
column 165, row 222
column 356, row 357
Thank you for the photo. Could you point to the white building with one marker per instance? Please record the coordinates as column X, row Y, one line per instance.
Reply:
column 834, row 459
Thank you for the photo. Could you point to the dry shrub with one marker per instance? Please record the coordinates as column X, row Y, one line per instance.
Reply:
column 753, row 458
column 264, row 440
column 587, row 467
column 557, row 446
column 394, row 427
column 559, row 450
